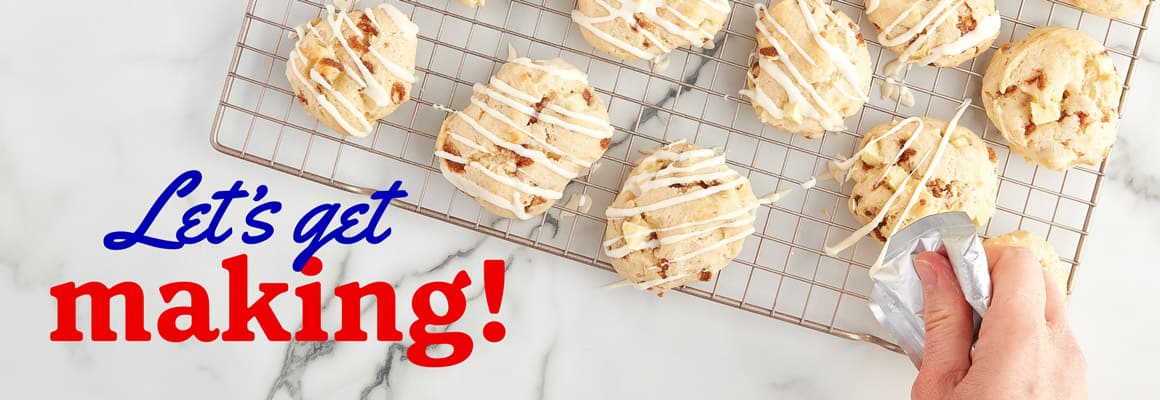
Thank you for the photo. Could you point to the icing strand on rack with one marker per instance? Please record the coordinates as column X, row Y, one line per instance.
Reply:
column 629, row 10
column 565, row 165
column 919, row 34
column 786, row 74
column 934, row 157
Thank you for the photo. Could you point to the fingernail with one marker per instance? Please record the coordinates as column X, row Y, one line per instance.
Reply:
column 926, row 273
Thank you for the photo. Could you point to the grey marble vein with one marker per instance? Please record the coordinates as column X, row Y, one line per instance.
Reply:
column 545, row 365
column 1132, row 175
column 382, row 376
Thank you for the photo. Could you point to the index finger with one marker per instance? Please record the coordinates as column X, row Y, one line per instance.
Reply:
column 1019, row 292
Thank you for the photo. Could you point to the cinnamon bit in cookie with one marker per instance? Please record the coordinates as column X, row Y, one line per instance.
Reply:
column 706, row 185
column 368, row 27
column 362, row 44
column 861, row 40
column 641, row 22
column 857, row 198
column 1029, row 129
column 301, row 98
column 1083, row 122
column 604, row 143
column 865, row 166
column 868, row 213
column 938, row 188
column 705, row 276
column 524, row 162
column 967, row 24
column 1038, row 80
column 538, row 107
column 663, row 264
column 587, row 95
column 768, row 51
column 991, row 154
column 1066, row 94
column 1062, row 116
column 331, row 63
column 878, row 231
column 922, row 202
column 450, row 149
column 398, row 93
column 536, row 200
column 455, row 167
column 1009, row 90
column 905, row 156
column 1107, row 118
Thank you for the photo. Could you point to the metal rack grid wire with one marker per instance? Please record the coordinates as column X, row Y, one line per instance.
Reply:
column 782, row 272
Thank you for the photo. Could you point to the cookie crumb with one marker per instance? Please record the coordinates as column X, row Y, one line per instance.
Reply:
column 705, row 276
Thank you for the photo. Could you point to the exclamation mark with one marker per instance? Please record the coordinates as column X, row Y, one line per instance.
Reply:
column 493, row 271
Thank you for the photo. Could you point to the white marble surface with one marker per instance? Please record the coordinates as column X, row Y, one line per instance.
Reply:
column 102, row 103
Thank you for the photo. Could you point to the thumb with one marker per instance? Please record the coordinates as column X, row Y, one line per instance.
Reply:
column 949, row 328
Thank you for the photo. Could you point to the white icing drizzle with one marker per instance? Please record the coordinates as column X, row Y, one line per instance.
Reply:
column 807, row 185
column 919, row 34
column 935, row 157
column 580, row 203
column 603, row 132
column 786, row 74
column 628, row 10
column 535, row 155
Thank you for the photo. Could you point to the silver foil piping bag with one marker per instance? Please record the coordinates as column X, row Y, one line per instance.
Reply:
column 897, row 300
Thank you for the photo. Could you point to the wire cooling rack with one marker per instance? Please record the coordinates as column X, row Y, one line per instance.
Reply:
column 782, row 272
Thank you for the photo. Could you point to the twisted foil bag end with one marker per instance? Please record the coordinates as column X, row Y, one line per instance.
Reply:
column 896, row 299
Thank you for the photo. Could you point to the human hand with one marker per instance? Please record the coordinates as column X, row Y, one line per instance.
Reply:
column 1025, row 348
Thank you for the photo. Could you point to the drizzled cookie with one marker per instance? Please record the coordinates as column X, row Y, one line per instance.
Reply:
column 811, row 68
column 909, row 169
column 529, row 131
column 351, row 68
column 681, row 217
